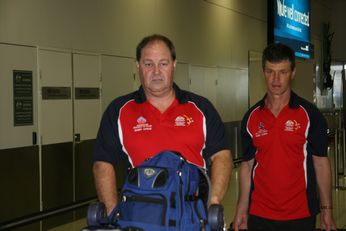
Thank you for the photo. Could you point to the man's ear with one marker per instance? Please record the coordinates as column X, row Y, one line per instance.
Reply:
column 137, row 64
column 293, row 73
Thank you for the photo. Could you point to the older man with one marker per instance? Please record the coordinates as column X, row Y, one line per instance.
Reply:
column 160, row 116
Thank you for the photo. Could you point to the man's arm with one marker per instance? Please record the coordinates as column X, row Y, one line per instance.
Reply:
column 324, row 181
column 240, row 218
column 221, row 169
column 105, row 182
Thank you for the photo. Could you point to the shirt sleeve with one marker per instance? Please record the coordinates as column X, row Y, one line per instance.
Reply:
column 317, row 135
column 248, row 149
column 216, row 138
column 107, row 147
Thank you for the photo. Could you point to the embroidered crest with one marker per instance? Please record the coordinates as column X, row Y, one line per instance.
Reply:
column 291, row 125
column 262, row 131
column 142, row 125
column 182, row 121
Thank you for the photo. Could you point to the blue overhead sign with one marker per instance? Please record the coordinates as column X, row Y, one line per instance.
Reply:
column 292, row 25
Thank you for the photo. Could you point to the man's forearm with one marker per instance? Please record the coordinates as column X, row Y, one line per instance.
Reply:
column 324, row 179
column 241, row 214
column 245, row 184
column 105, row 182
column 221, row 169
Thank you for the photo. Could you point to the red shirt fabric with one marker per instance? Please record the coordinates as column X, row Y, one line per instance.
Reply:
column 134, row 129
column 283, row 177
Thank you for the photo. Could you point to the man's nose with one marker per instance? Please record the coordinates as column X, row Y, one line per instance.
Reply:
column 276, row 76
column 157, row 68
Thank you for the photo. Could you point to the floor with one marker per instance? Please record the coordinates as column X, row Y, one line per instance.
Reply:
column 339, row 199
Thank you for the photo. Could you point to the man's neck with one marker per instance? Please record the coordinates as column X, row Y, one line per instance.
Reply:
column 161, row 102
column 276, row 103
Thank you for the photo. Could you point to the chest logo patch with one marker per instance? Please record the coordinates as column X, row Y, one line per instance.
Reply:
column 262, row 131
column 183, row 121
column 291, row 126
column 142, row 125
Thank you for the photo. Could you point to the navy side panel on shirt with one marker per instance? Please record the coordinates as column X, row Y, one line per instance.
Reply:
column 108, row 147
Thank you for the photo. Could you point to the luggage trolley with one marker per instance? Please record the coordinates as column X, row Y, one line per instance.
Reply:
column 97, row 219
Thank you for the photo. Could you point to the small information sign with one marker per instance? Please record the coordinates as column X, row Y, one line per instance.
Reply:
column 22, row 98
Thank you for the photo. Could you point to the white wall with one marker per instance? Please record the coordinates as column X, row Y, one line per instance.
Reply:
column 209, row 33
column 204, row 33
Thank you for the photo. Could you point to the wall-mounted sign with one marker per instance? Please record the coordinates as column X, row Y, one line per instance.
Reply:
column 87, row 93
column 56, row 93
column 22, row 98
column 289, row 23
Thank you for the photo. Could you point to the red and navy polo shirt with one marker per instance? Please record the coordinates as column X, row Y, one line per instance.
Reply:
column 283, row 184
column 133, row 128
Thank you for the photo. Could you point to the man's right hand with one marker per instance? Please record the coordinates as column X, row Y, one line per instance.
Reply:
column 240, row 222
column 105, row 182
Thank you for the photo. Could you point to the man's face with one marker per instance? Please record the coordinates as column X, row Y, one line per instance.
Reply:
column 156, row 68
column 278, row 77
